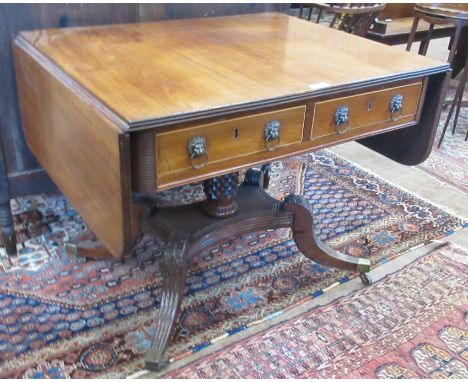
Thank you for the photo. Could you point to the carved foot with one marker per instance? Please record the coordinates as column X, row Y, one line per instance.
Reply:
column 174, row 273
column 86, row 245
column 313, row 248
column 7, row 228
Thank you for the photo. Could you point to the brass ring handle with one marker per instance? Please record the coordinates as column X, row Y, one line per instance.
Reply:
column 396, row 117
column 270, row 138
column 196, row 148
column 341, row 118
column 272, row 134
column 201, row 165
column 396, row 107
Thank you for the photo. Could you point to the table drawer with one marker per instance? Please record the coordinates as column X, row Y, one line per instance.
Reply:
column 372, row 110
column 202, row 147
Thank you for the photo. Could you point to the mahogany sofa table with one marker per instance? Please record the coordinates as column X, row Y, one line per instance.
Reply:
column 117, row 112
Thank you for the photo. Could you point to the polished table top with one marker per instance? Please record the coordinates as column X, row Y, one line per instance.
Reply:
column 151, row 72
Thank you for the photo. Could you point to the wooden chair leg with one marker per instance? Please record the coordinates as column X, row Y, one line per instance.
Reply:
column 449, row 117
column 457, row 100
column 412, row 33
column 454, row 43
column 460, row 99
column 319, row 15
column 425, row 45
column 457, row 112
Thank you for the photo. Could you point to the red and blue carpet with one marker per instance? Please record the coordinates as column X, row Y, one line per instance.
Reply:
column 412, row 324
column 66, row 317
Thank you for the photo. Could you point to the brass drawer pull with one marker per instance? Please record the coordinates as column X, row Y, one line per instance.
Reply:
column 272, row 134
column 396, row 107
column 341, row 118
column 197, row 149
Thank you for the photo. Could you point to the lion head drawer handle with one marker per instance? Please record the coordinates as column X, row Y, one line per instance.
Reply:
column 197, row 149
column 396, row 107
column 341, row 118
column 272, row 134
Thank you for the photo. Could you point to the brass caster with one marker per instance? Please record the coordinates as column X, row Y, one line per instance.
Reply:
column 365, row 278
column 156, row 365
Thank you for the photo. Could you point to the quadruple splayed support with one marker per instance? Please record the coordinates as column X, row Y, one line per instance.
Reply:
column 228, row 211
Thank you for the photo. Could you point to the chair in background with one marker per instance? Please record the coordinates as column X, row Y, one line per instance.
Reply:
column 445, row 14
column 351, row 18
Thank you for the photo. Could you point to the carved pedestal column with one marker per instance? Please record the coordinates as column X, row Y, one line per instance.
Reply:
column 190, row 230
column 220, row 195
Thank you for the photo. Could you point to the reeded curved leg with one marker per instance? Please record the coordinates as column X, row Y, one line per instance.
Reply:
column 313, row 248
column 174, row 273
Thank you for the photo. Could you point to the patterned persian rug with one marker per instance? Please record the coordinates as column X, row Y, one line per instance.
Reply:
column 66, row 317
column 449, row 164
column 412, row 324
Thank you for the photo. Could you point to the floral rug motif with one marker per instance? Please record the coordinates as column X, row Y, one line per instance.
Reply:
column 449, row 163
column 412, row 324
column 62, row 316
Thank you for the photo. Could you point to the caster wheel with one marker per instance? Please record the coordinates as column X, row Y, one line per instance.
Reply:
column 365, row 279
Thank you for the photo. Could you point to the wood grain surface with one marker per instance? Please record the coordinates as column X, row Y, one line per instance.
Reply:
column 397, row 10
column 368, row 108
column 151, row 71
column 235, row 138
column 81, row 149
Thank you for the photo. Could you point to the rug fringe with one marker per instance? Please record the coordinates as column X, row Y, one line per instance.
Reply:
column 137, row 374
